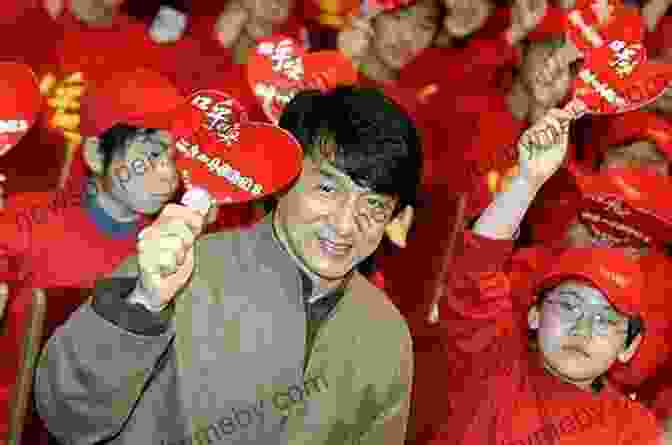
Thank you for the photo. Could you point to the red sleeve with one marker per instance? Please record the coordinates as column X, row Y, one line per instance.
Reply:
column 643, row 429
column 451, row 68
column 552, row 25
column 477, row 312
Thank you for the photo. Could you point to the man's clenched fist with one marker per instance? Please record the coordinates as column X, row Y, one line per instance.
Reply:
column 165, row 253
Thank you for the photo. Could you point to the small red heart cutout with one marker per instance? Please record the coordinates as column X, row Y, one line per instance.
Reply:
column 617, row 78
column 585, row 29
column 279, row 68
column 20, row 105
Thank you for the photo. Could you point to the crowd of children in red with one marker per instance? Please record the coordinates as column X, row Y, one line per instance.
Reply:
column 508, row 353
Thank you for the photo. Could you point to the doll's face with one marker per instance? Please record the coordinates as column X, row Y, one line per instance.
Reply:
column 465, row 17
column 547, row 94
column 402, row 34
column 579, row 333
column 639, row 154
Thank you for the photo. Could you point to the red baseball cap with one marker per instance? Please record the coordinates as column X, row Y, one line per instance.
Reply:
column 619, row 278
column 632, row 287
column 138, row 97
column 20, row 103
column 628, row 203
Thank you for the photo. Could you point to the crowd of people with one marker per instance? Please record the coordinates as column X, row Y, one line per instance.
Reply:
column 464, row 257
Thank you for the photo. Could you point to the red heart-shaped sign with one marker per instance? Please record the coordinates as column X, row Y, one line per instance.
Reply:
column 617, row 78
column 233, row 159
column 279, row 68
column 20, row 105
column 592, row 23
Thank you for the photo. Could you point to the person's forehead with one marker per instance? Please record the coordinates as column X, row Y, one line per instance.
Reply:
column 425, row 10
column 583, row 291
column 143, row 141
column 321, row 166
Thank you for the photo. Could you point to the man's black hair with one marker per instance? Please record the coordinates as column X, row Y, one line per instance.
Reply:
column 375, row 141
column 115, row 140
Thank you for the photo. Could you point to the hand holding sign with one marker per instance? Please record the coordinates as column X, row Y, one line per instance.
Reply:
column 279, row 68
column 592, row 24
column 224, row 158
column 543, row 147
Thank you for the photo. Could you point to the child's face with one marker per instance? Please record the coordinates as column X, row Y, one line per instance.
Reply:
column 401, row 35
column 145, row 178
column 579, row 333
column 547, row 94
column 465, row 17
column 270, row 11
column 640, row 154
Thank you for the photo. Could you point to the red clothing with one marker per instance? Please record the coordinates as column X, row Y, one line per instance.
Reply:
column 499, row 392
column 59, row 244
column 469, row 106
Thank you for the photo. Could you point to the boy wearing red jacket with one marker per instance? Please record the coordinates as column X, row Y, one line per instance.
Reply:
column 590, row 311
column 95, row 221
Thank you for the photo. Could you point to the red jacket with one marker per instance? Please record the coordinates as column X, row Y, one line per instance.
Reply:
column 499, row 392
column 58, row 243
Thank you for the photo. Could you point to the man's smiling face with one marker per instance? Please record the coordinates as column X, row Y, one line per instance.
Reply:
column 330, row 223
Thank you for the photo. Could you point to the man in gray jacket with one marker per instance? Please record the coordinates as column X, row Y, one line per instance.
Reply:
column 266, row 335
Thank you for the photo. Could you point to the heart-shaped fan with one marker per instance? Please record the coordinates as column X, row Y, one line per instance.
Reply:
column 233, row 159
column 617, row 78
column 20, row 105
column 279, row 68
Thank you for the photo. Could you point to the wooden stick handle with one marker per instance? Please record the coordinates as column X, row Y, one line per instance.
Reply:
column 447, row 259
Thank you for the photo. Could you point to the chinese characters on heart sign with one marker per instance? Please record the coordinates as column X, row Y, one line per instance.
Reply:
column 625, row 59
column 8, row 127
column 219, row 118
column 220, row 168
column 284, row 60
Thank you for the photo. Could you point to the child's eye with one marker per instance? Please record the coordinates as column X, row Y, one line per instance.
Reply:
column 568, row 306
column 326, row 187
column 376, row 204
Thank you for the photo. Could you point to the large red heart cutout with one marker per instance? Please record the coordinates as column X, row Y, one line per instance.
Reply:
column 279, row 68
column 234, row 159
column 617, row 78
column 20, row 105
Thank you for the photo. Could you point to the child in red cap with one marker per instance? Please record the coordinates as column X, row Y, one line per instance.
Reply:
column 589, row 310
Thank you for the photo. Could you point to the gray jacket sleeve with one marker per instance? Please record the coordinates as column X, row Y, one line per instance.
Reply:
column 97, row 365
